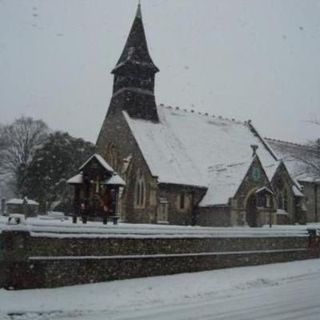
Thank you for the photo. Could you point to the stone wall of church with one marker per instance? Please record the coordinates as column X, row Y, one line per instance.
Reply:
column 236, row 212
column 255, row 179
column 311, row 192
column 214, row 216
column 116, row 133
column 282, row 184
column 138, row 104
column 181, row 214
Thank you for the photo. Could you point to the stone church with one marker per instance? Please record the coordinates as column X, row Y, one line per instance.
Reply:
column 183, row 167
column 303, row 163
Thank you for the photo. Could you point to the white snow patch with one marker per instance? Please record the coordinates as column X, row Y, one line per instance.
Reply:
column 100, row 160
column 136, row 298
column 21, row 201
column 66, row 229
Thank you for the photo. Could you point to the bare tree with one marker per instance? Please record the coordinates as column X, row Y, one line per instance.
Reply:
column 315, row 121
column 18, row 143
column 310, row 158
column 311, row 155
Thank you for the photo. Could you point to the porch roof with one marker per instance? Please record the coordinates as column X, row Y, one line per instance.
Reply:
column 115, row 180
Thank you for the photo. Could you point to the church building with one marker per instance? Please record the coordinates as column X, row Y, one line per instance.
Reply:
column 183, row 167
column 303, row 162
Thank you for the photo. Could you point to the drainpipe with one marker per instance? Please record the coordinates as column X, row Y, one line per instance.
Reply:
column 193, row 210
column 270, row 219
column 3, row 206
column 316, row 202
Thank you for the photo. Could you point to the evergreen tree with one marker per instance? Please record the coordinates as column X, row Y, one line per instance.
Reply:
column 52, row 165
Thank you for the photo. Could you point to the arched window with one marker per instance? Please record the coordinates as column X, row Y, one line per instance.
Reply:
column 268, row 201
column 280, row 201
column 256, row 174
column 285, row 200
column 140, row 191
column 182, row 200
column 112, row 156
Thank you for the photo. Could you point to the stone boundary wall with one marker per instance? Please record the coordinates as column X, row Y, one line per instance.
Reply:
column 29, row 260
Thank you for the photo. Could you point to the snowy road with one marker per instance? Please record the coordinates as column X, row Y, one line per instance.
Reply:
column 296, row 299
column 277, row 292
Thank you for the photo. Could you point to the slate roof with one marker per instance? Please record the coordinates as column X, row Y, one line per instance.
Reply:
column 295, row 156
column 224, row 183
column 135, row 52
column 188, row 148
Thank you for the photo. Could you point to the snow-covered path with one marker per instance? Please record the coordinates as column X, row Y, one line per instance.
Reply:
column 277, row 292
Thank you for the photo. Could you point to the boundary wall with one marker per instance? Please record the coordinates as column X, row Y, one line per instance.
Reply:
column 45, row 259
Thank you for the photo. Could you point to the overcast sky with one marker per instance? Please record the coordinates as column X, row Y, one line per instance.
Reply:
column 243, row 59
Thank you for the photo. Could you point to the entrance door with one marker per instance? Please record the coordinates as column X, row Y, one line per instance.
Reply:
column 163, row 211
column 252, row 212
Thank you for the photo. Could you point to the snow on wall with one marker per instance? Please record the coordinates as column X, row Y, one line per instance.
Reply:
column 20, row 201
column 66, row 229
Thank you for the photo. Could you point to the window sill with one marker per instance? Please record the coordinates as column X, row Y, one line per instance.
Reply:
column 162, row 222
column 282, row 212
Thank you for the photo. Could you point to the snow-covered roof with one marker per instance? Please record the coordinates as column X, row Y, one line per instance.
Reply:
column 296, row 191
column 225, row 181
column 115, row 180
column 77, row 179
column 264, row 189
column 296, row 158
column 270, row 169
column 100, row 160
column 21, row 201
column 185, row 147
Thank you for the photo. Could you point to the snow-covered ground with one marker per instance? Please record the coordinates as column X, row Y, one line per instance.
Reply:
column 277, row 292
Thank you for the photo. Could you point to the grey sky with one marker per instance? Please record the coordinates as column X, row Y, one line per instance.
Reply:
column 243, row 59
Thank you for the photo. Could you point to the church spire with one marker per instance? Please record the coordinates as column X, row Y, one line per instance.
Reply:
column 134, row 76
column 138, row 14
column 135, row 52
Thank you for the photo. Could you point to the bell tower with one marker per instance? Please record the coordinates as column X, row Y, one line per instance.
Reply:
column 134, row 76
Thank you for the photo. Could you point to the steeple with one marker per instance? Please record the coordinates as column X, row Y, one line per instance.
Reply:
column 135, row 52
column 134, row 74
